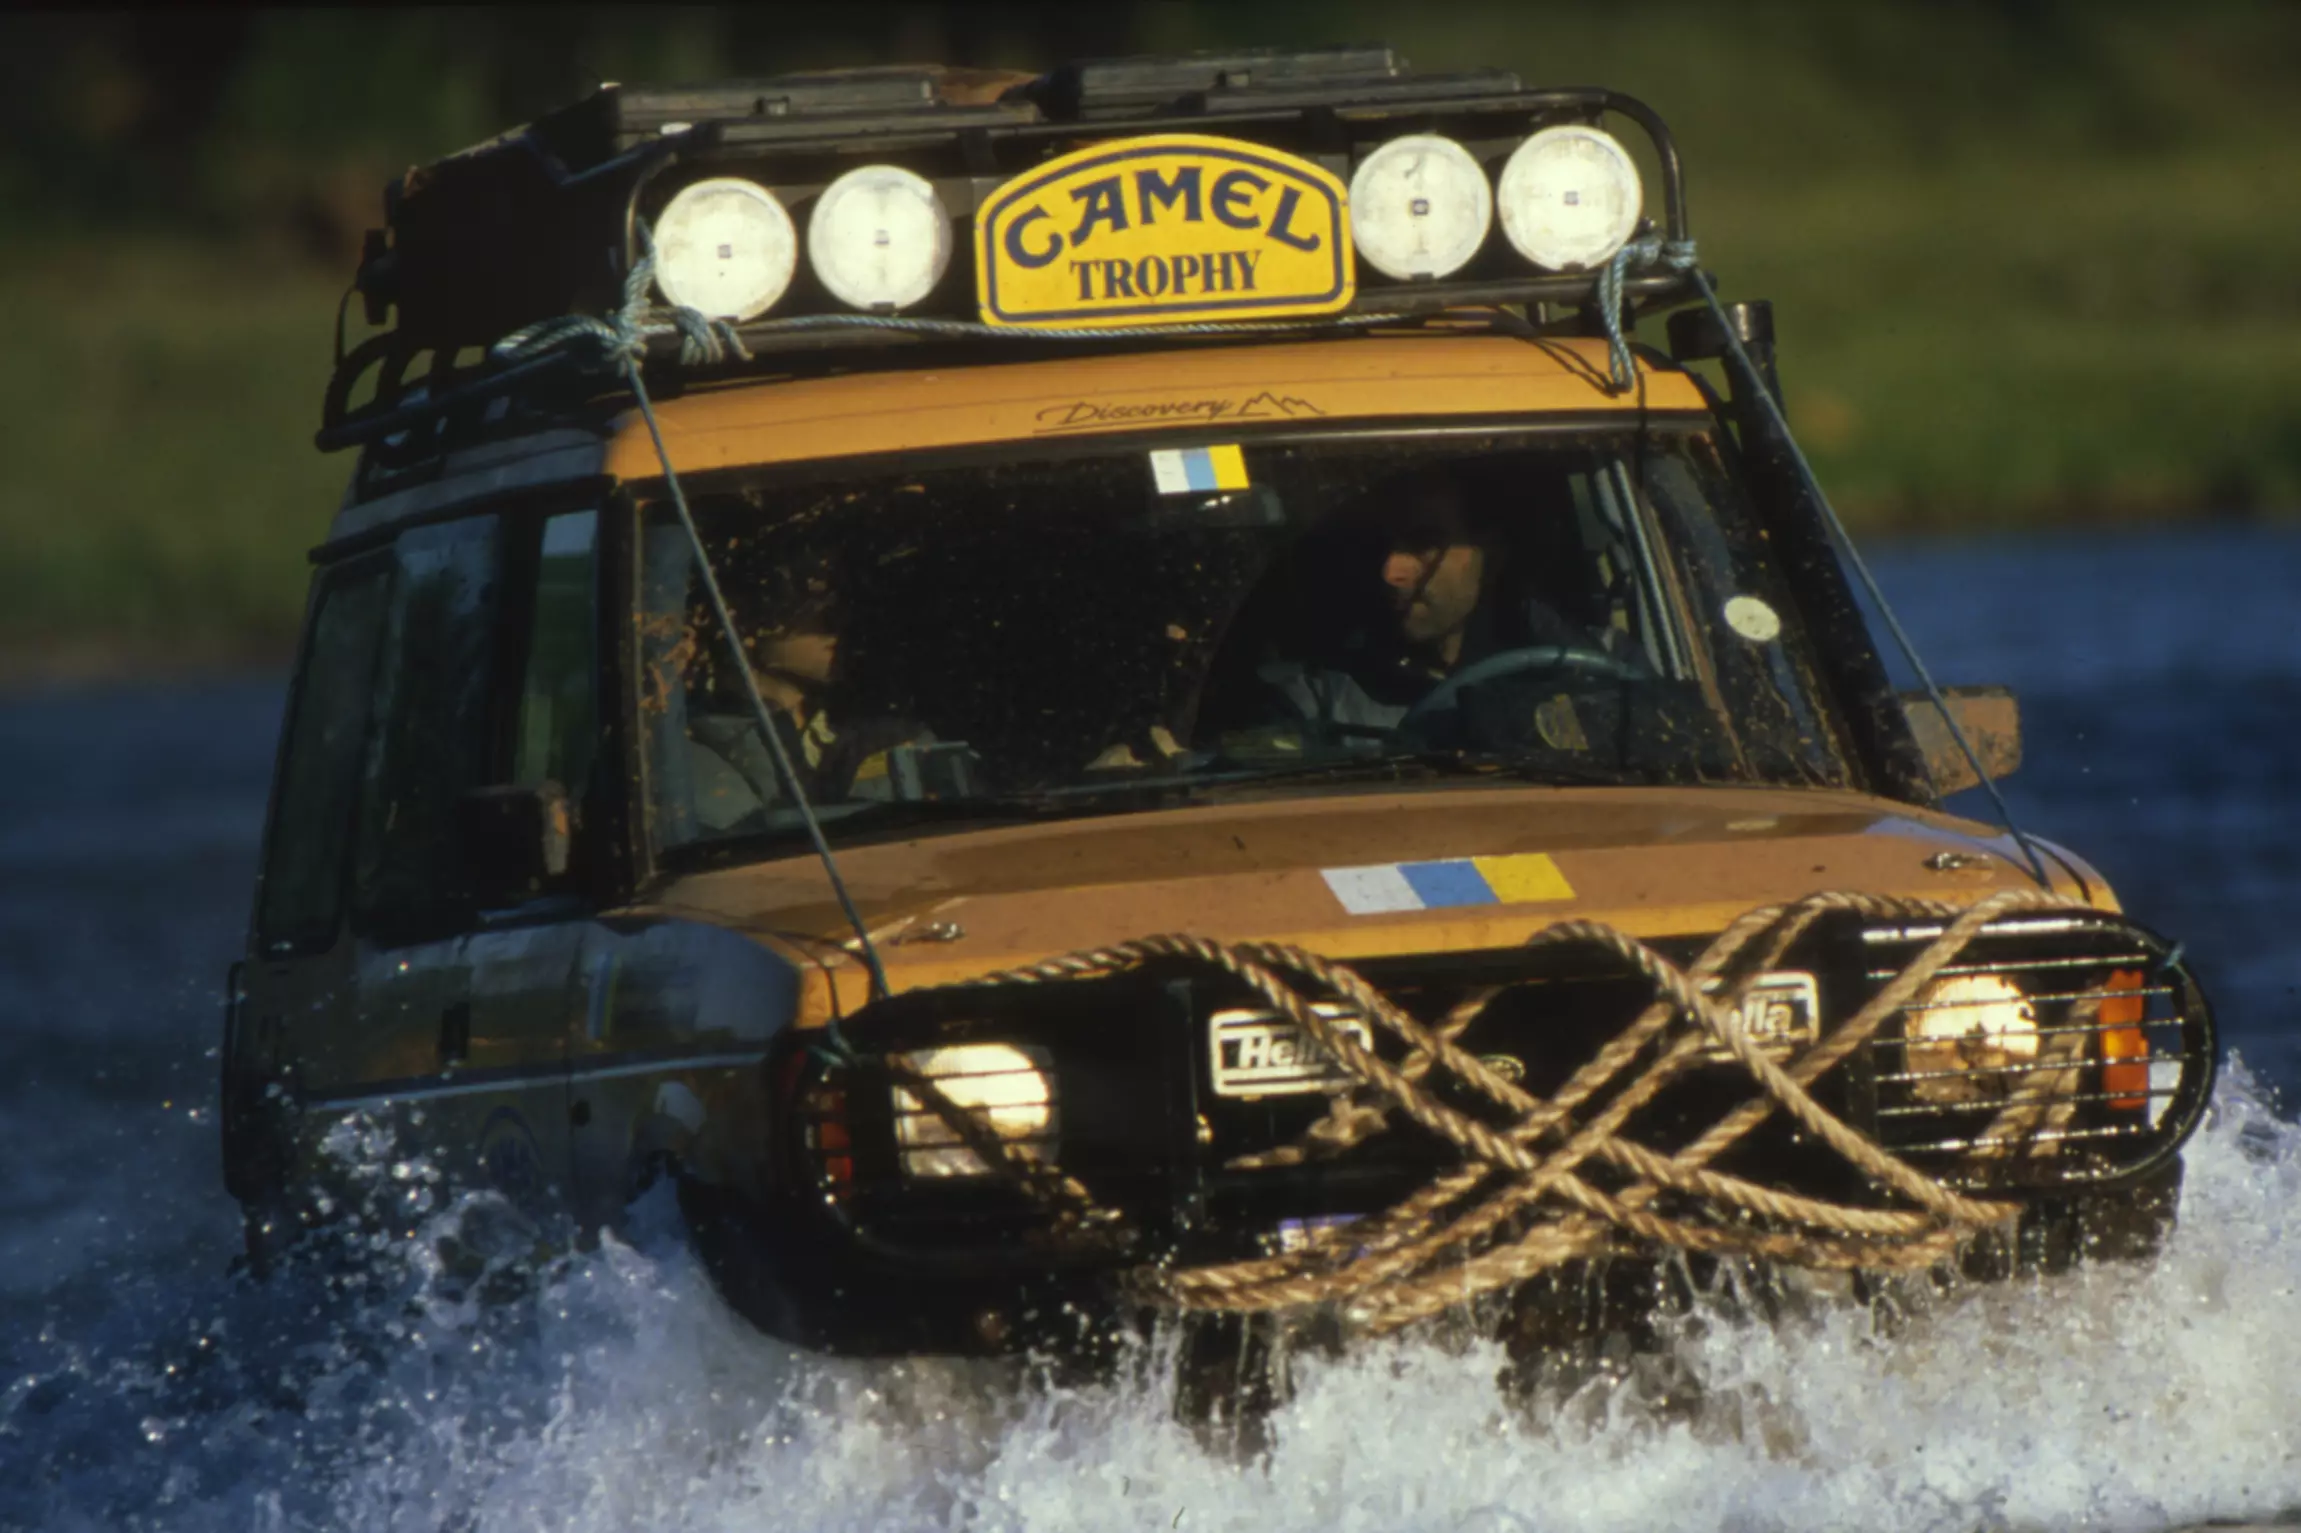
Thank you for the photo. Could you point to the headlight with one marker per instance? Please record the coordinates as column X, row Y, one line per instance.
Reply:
column 879, row 238
column 1569, row 198
column 1419, row 207
column 1968, row 1035
column 1007, row 1086
column 725, row 247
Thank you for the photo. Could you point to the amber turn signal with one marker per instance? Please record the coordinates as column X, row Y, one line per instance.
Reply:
column 2124, row 1043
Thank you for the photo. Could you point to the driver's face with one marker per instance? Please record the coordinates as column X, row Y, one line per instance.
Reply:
column 1433, row 590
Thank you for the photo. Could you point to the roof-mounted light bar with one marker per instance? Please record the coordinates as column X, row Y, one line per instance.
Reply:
column 879, row 238
column 1419, row 207
column 725, row 247
column 541, row 223
column 1570, row 198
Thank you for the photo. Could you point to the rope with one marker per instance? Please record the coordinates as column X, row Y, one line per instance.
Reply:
column 620, row 344
column 622, row 339
column 1648, row 250
column 961, row 329
column 1522, row 1200
column 709, row 342
column 1755, row 384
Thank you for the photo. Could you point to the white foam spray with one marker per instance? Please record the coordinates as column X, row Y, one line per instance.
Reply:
column 620, row 1394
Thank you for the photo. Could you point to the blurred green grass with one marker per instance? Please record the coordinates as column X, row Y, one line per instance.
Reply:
column 158, row 487
column 2040, row 341
column 2033, row 264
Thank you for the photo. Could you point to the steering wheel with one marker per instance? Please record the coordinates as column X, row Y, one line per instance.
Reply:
column 1517, row 662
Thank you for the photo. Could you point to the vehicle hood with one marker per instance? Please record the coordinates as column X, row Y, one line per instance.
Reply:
column 1348, row 873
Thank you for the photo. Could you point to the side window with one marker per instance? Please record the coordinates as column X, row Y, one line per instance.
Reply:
column 431, row 737
column 557, row 736
column 302, row 899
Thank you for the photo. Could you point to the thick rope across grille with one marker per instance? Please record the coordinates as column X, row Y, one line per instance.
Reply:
column 1518, row 1203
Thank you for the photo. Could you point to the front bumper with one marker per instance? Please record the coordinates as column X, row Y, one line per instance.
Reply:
column 1191, row 1159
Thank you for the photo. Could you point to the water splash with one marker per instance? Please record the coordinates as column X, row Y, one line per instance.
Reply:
column 613, row 1390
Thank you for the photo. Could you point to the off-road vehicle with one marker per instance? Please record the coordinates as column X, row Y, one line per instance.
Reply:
column 1130, row 688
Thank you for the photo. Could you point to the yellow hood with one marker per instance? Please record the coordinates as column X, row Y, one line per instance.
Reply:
column 1339, row 872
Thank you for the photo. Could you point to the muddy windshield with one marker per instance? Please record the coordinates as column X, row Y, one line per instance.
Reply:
column 1125, row 627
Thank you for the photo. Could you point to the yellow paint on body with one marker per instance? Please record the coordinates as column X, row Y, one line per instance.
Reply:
column 1527, row 878
column 1388, row 377
column 1163, row 229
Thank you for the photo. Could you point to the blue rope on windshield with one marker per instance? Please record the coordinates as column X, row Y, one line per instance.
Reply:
column 1756, row 386
column 1648, row 250
column 623, row 339
column 1679, row 255
column 964, row 329
column 705, row 342
column 620, row 343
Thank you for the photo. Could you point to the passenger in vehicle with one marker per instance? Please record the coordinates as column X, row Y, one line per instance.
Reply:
column 794, row 656
column 1450, row 597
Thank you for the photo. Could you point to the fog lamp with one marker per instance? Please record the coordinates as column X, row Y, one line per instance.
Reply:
column 725, row 247
column 1006, row 1087
column 1569, row 198
column 1967, row 1036
column 879, row 238
column 1419, row 207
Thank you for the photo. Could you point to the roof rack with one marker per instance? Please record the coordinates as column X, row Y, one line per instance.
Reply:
column 543, row 221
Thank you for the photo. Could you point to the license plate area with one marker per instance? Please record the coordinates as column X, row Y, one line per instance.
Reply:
column 1256, row 1053
column 1781, row 1012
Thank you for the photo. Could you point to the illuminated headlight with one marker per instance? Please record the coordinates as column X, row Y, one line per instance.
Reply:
column 725, row 247
column 879, row 238
column 1007, row 1087
column 1967, row 1037
column 1569, row 198
column 1419, row 207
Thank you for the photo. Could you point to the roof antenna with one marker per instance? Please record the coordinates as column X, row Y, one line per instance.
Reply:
column 622, row 340
column 1781, row 425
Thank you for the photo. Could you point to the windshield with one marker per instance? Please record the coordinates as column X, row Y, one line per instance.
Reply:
column 1109, row 629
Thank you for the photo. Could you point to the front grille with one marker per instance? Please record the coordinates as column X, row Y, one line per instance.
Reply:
column 2055, row 1053
column 2056, row 1050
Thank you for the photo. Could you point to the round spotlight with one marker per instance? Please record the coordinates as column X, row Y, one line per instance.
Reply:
column 1969, row 1037
column 879, row 238
column 725, row 247
column 1419, row 207
column 1570, row 198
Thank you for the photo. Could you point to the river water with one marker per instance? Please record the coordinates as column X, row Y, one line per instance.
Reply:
column 140, row 1385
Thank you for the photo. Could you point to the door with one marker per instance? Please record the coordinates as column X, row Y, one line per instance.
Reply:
column 499, row 672
column 418, row 1024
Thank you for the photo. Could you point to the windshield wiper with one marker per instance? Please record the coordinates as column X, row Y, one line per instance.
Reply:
column 1075, row 800
column 1435, row 763
column 878, row 814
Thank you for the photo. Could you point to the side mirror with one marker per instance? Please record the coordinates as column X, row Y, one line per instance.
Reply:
column 1991, row 720
column 516, row 841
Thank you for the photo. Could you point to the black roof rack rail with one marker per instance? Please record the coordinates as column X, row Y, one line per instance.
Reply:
column 1085, row 89
column 856, row 104
column 1090, row 90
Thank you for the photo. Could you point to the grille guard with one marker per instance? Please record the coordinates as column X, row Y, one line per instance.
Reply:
column 1146, row 1137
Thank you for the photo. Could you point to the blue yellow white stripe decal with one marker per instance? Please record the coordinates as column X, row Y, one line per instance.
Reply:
column 1384, row 888
column 1196, row 470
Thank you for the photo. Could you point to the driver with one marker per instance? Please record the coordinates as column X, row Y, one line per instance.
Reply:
column 1448, row 601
